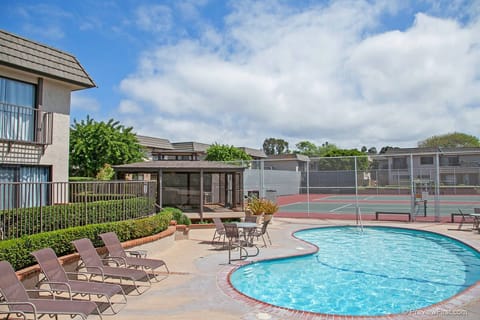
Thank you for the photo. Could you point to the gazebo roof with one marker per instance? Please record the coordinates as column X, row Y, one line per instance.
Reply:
column 176, row 166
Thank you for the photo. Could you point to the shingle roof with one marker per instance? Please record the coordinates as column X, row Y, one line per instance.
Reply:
column 403, row 151
column 20, row 53
column 257, row 153
column 190, row 146
column 289, row 156
column 156, row 143
column 153, row 166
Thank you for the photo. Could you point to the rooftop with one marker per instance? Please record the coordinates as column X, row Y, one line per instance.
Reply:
column 23, row 54
column 177, row 165
column 154, row 143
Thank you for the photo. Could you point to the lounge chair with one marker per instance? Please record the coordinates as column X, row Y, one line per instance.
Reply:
column 219, row 233
column 17, row 300
column 94, row 265
column 117, row 253
column 57, row 280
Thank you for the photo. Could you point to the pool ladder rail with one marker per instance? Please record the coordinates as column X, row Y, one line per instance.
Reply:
column 358, row 217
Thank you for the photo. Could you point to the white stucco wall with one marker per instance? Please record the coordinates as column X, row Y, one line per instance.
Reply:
column 56, row 99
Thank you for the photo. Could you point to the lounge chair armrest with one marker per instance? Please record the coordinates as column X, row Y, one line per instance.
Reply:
column 58, row 283
column 118, row 261
column 93, row 273
column 5, row 303
column 77, row 274
column 137, row 253
column 39, row 290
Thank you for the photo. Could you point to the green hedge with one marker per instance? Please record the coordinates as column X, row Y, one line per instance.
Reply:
column 28, row 221
column 179, row 216
column 17, row 251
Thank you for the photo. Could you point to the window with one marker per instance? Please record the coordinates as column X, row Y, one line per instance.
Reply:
column 399, row 163
column 17, row 103
column 426, row 160
column 450, row 161
column 24, row 186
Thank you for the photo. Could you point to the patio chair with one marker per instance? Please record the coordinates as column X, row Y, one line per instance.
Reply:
column 17, row 300
column 94, row 265
column 262, row 232
column 235, row 240
column 219, row 231
column 58, row 281
column 139, row 260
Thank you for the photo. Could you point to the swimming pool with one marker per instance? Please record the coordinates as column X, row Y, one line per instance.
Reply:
column 377, row 271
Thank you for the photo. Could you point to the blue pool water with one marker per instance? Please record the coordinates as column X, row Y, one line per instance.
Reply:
column 376, row 271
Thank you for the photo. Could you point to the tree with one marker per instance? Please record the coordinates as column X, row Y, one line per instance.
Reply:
column 307, row 148
column 105, row 173
column 344, row 160
column 450, row 140
column 386, row 148
column 94, row 144
column 311, row 150
column 273, row 146
column 217, row 152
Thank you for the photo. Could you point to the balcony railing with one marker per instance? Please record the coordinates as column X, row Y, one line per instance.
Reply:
column 25, row 125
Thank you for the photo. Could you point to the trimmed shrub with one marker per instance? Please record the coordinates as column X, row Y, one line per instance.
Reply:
column 178, row 216
column 17, row 251
column 28, row 221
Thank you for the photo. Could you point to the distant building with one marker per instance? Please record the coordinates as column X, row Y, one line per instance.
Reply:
column 163, row 149
column 289, row 162
column 457, row 166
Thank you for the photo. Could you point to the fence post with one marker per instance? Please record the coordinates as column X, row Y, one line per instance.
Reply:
column 85, row 194
column 41, row 207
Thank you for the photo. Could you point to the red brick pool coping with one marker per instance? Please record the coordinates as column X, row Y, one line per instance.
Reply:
column 449, row 307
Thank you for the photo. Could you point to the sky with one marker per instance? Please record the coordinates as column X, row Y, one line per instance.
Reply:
column 350, row 72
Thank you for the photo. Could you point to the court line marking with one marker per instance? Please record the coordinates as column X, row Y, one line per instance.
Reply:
column 341, row 207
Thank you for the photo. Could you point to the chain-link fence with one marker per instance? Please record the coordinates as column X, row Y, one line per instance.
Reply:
column 433, row 184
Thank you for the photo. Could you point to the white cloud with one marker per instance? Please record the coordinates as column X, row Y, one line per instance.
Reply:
column 318, row 74
column 84, row 103
column 156, row 18
column 129, row 107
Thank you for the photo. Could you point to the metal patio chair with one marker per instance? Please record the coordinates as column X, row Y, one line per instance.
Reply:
column 262, row 232
column 96, row 266
column 18, row 302
column 219, row 233
column 58, row 281
column 138, row 260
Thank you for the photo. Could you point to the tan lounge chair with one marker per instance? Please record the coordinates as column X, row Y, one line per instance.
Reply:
column 57, row 280
column 117, row 253
column 94, row 265
column 17, row 300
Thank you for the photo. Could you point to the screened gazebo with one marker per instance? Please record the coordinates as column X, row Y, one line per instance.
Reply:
column 202, row 187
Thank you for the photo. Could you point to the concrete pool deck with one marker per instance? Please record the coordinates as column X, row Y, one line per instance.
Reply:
column 197, row 287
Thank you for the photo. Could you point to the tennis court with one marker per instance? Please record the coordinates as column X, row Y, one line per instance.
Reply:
column 345, row 205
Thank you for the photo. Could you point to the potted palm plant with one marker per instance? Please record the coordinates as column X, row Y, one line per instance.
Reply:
column 262, row 207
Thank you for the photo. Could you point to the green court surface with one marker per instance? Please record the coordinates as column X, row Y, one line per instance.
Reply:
column 369, row 204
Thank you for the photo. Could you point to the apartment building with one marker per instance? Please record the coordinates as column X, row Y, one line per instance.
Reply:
column 36, row 82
